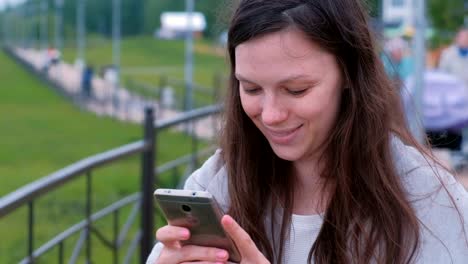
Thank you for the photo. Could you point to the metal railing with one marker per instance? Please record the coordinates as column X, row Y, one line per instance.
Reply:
column 142, row 201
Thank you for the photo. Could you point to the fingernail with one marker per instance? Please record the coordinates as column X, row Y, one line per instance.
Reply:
column 185, row 233
column 228, row 219
column 221, row 254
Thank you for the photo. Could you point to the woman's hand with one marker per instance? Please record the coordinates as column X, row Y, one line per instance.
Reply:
column 247, row 248
column 174, row 253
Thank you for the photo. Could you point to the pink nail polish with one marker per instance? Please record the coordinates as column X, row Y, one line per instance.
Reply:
column 185, row 233
column 228, row 220
column 221, row 254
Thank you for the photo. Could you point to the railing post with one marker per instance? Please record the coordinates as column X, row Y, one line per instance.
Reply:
column 31, row 232
column 88, row 217
column 147, row 186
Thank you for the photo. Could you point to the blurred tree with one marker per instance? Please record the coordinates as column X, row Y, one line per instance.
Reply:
column 446, row 17
column 373, row 7
column 99, row 16
column 143, row 16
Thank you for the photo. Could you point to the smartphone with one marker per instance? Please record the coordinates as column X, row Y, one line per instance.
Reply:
column 200, row 213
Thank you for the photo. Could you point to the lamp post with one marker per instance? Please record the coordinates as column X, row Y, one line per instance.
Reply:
column 419, row 48
column 115, row 53
column 4, row 28
column 116, row 37
column 24, row 26
column 58, row 24
column 189, row 5
column 80, row 31
column 44, row 28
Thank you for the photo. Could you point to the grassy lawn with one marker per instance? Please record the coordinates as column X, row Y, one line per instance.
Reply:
column 158, row 58
column 41, row 133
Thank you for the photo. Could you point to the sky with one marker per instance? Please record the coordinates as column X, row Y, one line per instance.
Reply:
column 3, row 3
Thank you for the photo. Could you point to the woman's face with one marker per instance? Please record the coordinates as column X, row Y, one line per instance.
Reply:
column 291, row 89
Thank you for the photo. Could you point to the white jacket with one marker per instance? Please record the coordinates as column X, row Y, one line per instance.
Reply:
column 442, row 239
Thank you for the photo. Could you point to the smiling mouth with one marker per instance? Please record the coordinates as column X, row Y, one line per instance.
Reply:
column 282, row 136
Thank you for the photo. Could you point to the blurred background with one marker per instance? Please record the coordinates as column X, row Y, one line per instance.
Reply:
column 103, row 101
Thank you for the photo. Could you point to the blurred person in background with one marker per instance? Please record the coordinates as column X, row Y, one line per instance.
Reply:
column 454, row 59
column 86, row 81
column 316, row 164
column 397, row 59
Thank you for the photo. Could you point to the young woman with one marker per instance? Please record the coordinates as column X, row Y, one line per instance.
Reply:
column 315, row 164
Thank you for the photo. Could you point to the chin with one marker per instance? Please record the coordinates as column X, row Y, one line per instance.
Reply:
column 287, row 154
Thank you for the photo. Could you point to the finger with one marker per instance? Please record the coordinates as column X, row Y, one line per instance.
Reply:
column 244, row 243
column 203, row 262
column 192, row 252
column 171, row 235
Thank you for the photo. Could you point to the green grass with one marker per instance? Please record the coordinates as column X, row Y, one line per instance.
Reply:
column 165, row 57
column 42, row 132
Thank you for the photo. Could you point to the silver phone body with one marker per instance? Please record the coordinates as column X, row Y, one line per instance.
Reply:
column 199, row 212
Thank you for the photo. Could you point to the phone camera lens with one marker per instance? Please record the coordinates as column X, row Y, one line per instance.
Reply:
column 186, row 208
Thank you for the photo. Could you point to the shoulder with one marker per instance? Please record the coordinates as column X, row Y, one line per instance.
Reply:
column 440, row 203
column 421, row 176
column 211, row 177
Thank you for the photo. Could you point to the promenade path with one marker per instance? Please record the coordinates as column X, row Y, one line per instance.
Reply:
column 108, row 100
column 121, row 104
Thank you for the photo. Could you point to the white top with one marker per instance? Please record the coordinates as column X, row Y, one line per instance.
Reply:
column 442, row 237
column 452, row 62
column 304, row 231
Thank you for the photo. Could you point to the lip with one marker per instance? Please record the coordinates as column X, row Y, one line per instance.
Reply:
column 283, row 136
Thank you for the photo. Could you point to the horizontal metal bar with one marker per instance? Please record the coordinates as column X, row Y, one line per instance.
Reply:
column 81, row 225
column 46, row 184
column 189, row 116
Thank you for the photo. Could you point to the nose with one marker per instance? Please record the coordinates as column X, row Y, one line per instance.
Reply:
column 273, row 111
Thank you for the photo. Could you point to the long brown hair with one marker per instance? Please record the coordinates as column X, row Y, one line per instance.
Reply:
column 368, row 216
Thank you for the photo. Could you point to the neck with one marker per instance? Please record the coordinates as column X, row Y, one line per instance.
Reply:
column 309, row 193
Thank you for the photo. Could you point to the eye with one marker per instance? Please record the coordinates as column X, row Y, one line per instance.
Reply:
column 251, row 90
column 296, row 92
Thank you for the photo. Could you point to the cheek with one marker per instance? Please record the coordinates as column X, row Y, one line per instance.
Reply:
column 322, row 111
column 251, row 105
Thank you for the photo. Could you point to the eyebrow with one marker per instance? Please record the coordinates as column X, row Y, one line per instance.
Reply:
column 284, row 80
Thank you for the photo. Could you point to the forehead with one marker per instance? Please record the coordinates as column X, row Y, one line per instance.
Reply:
column 283, row 53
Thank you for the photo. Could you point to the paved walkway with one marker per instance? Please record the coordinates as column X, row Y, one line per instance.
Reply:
column 108, row 100
column 123, row 105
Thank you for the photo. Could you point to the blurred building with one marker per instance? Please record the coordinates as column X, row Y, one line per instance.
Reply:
column 398, row 18
column 175, row 25
column 398, row 12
